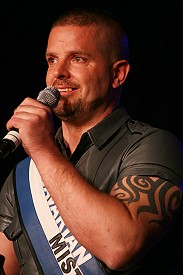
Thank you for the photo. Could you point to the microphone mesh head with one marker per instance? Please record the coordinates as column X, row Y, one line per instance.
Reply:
column 49, row 97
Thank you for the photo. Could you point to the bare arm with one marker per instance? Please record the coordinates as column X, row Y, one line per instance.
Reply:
column 7, row 250
column 117, row 228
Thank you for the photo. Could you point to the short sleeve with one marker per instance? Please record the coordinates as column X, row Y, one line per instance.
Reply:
column 158, row 154
column 7, row 202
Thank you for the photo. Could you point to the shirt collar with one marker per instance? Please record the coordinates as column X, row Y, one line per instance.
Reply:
column 105, row 129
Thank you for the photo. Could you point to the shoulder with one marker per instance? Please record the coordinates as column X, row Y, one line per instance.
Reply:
column 147, row 135
column 7, row 191
column 153, row 151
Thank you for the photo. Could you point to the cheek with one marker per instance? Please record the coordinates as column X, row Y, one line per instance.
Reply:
column 103, row 84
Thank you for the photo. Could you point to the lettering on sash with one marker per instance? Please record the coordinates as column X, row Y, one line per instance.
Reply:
column 63, row 244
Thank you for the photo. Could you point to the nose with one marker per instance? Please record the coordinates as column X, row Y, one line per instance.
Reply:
column 61, row 70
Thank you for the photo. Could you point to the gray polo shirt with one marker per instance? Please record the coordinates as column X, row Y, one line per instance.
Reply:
column 116, row 147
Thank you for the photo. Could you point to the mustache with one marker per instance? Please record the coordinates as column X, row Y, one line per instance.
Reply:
column 65, row 83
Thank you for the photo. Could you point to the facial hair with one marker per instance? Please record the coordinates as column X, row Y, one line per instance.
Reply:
column 77, row 111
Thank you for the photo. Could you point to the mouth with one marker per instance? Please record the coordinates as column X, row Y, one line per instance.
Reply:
column 66, row 91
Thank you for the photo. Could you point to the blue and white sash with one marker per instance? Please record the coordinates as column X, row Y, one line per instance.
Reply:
column 56, row 249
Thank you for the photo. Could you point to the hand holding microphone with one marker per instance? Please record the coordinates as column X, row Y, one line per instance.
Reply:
column 49, row 97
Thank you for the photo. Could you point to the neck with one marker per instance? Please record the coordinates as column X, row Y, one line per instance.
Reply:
column 72, row 132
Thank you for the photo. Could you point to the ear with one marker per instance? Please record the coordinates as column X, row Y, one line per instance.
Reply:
column 120, row 72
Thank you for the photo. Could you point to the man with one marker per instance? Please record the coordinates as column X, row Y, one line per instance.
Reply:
column 104, row 196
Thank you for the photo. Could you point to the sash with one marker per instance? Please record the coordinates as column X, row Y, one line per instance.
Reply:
column 55, row 249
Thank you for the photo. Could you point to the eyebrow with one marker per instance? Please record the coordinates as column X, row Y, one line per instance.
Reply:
column 70, row 53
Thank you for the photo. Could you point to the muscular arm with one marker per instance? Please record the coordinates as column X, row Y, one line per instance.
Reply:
column 7, row 250
column 118, row 228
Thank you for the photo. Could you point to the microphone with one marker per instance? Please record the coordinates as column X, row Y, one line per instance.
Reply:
column 49, row 97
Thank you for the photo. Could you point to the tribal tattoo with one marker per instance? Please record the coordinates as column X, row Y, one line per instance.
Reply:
column 162, row 198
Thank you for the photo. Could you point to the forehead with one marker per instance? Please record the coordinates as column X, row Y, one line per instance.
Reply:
column 70, row 36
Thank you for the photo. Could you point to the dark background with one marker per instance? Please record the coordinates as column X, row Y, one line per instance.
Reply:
column 153, row 90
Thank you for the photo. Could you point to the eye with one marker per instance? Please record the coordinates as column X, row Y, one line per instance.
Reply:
column 51, row 60
column 78, row 59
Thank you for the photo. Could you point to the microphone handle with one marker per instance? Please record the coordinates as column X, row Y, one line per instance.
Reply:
column 10, row 142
